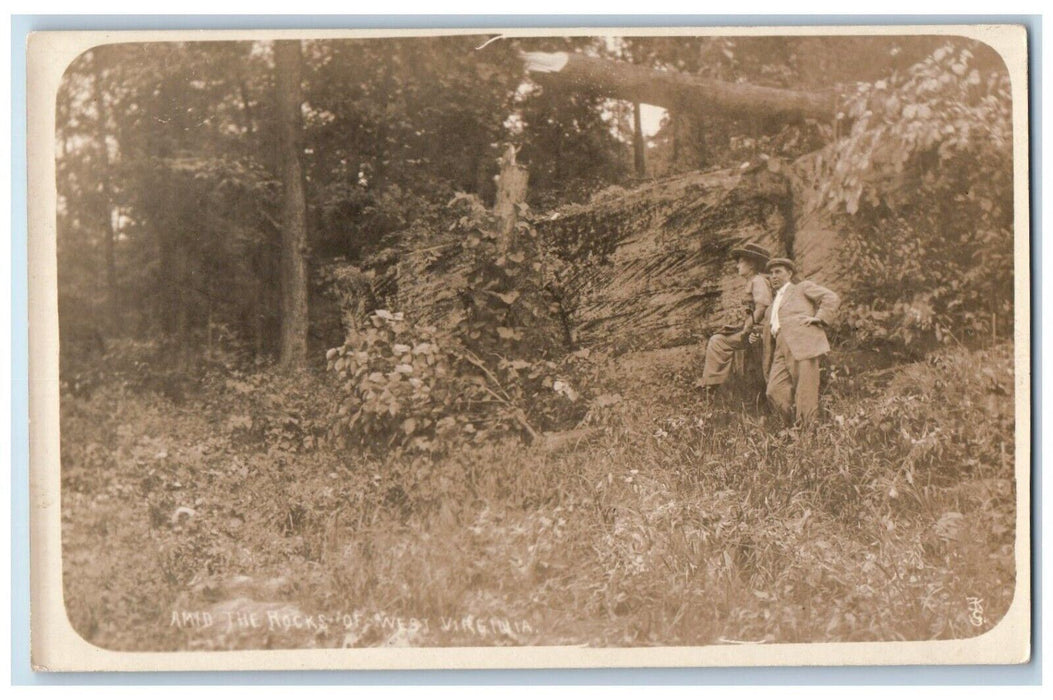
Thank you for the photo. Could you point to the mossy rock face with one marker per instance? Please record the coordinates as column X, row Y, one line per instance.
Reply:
column 655, row 259
column 818, row 233
column 652, row 263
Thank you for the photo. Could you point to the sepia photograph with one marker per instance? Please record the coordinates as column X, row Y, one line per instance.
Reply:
column 606, row 341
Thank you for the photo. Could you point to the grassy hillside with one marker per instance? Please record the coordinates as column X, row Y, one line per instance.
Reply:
column 673, row 522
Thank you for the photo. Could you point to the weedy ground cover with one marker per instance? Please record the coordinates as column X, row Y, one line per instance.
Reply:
column 671, row 522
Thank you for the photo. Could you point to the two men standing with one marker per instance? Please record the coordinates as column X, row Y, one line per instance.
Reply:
column 794, row 323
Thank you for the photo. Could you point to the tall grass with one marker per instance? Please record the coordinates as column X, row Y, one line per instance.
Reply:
column 683, row 523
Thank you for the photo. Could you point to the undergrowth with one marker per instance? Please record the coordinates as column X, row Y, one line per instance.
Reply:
column 683, row 523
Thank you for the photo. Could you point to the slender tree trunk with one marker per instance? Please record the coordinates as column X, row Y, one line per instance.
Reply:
column 557, row 165
column 701, row 141
column 186, row 315
column 260, row 262
column 246, row 106
column 511, row 191
column 380, row 166
column 167, row 301
column 268, row 297
column 288, row 74
column 638, row 143
column 483, row 181
column 106, row 202
column 675, row 119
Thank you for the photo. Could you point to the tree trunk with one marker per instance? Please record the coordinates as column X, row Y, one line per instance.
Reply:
column 288, row 72
column 168, row 299
column 638, row 143
column 677, row 91
column 674, row 118
column 246, row 106
column 106, row 200
column 511, row 191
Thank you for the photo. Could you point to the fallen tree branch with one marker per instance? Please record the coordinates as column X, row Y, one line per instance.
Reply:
column 677, row 91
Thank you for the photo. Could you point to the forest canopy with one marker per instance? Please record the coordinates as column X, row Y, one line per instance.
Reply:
column 171, row 187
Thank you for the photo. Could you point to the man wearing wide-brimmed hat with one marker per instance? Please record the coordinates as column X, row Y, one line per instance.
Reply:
column 799, row 314
column 750, row 260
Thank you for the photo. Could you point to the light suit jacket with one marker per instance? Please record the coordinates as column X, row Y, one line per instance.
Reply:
column 800, row 301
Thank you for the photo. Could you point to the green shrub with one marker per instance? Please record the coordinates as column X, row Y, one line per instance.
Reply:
column 925, row 178
column 406, row 385
column 499, row 365
column 398, row 385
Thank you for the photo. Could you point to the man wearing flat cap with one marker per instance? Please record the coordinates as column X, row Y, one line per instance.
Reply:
column 800, row 313
column 750, row 260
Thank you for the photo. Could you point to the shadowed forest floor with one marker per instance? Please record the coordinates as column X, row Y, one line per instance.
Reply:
column 224, row 520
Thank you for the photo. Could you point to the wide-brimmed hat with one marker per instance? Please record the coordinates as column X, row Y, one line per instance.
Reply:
column 751, row 251
column 781, row 262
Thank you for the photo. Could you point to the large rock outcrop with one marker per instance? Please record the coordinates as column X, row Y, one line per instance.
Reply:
column 651, row 262
column 655, row 258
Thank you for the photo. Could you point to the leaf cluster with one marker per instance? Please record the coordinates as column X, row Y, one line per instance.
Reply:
column 923, row 185
column 500, row 367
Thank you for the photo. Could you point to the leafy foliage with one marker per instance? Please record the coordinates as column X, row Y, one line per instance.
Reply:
column 166, row 160
column 398, row 383
column 692, row 141
column 500, row 365
column 167, row 150
column 515, row 325
column 396, row 126
column 925, row 174
column 571, row 143
column 192, row 193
